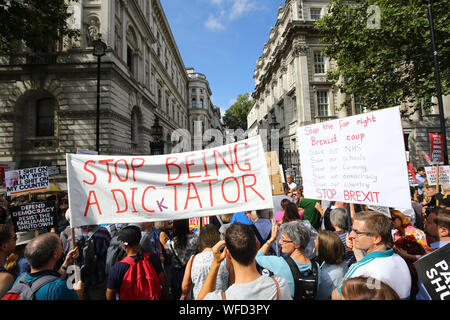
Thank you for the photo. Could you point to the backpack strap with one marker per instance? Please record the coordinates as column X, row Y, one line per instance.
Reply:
column 176, row 256
column 278, row 287
column 35, row 285
column 298, row 276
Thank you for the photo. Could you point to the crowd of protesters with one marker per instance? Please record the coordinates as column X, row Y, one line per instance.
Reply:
column 303, row 249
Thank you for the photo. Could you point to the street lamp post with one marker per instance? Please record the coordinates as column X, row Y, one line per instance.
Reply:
column 99, row 52
column 438, row 82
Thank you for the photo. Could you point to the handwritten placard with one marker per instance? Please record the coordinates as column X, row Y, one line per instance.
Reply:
column 127, row 189
column 359, row 159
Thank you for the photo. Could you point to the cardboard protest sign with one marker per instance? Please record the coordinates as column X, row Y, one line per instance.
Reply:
column 433, row 270
column 444, row 175
column 126, row 189
column 32, row 216
column 436, row 148
column 359, row 159
column 26, row 180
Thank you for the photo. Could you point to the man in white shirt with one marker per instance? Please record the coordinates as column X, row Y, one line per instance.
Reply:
column 369, row 239
column 290, row 182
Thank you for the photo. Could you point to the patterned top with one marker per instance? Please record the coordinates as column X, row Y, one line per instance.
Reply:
column 200, row 269
column 418, row 234
column 183, row 254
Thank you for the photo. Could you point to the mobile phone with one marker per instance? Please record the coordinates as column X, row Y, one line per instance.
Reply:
column 222, row 248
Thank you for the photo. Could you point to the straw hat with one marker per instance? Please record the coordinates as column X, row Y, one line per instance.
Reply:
column 24, row 237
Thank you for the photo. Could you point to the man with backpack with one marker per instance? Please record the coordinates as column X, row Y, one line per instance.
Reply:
column 42, row 282
column 93, row 242
column 139, row 276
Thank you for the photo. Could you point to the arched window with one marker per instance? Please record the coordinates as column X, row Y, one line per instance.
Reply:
column 45, row 117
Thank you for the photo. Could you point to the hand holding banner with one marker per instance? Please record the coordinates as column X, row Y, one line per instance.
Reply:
column 358, row 159
column 125, row 189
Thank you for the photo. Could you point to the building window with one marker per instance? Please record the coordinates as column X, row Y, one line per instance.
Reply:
column 134, row 127
column 45, row 117
column 294, row 108
column 358, row 106
column 130, row 58
column 319, row 62
column 201, row 103
column 194, row 103
column 159, row 98
column 322, row 103
column 314, row 13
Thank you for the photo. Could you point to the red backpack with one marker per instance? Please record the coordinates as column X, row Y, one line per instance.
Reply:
column 141, row 281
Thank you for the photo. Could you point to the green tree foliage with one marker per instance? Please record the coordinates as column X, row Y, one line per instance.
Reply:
column 38, row 23
column 392, row 63
column 236, row 116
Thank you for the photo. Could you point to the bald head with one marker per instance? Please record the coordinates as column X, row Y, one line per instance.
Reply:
column 41, row 250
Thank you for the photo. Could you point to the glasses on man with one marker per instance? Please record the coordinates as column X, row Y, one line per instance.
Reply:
column 286, row 241
column 358, row 233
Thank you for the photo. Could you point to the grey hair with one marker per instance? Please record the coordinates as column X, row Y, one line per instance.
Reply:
column 339, row 218
column 298, row 232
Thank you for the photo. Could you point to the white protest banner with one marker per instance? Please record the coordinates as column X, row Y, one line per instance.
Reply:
column 26, row 180
column 128, row 189
column 444, row 175
column 358, row 159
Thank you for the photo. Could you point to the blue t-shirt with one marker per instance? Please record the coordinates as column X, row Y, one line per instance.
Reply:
column 241, row 217
column 54, row 290
column 119, row 270
column 280, row 267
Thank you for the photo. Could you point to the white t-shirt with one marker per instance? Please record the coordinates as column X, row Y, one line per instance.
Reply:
column 385, row 266
column 263, row 288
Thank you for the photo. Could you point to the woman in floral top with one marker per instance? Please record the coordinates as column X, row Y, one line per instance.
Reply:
column 183, row 245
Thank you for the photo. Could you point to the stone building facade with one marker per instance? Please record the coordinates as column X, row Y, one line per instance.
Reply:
column 291, row 88
column 48, row 101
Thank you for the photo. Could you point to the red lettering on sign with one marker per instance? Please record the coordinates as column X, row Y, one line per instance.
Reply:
column 117, row 202
column 143, row 198
column 229, row 166
column 174, row 185
column 238, row 191
column 89, row 203
column 134, row 167
column 245, row 186
column 91, row 172
column 189, row 165
column 195, row 197
column 249, row 167
column 205, row 165
column 210, row 189
column 117, row 174
column 107, row 161
column 172, row 163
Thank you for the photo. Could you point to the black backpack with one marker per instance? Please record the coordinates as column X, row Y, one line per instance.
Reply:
column 306, row 282
column 88, row 254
